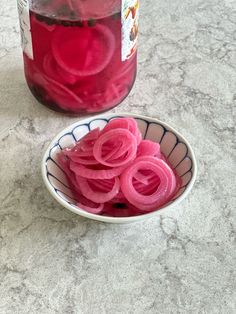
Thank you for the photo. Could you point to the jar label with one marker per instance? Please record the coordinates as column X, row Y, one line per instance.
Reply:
column 129, row 19
column 24, row 17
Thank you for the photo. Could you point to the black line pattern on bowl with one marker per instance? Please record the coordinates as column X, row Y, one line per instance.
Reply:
column 49, row 174
column 57, row 190
column 191, row 165
column 88, row 125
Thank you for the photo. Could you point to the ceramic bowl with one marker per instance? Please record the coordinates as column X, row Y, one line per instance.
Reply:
column 173, row 145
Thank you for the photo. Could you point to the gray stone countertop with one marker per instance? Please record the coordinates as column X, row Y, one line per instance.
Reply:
column 52, row 261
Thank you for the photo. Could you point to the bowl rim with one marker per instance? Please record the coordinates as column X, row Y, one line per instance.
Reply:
column 109, row 219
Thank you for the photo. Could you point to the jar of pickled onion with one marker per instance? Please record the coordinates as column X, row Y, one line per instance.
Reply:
column 79, row 55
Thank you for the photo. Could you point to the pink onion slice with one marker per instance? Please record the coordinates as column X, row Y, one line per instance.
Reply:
column 144, row 181
column 83, row 51
column 116, row 135
column 102, row 185
column 62, row 95
column 53, row 71
column 89, row 138
column 58, row 92
column 92, row 210
column 77, row 153
column 163, row 191
column 82, row 152
column 120, row 198
column 124, row 123
column 67, row 77
column 95, row 195
column 148, row 189
column 83, row 202
column 111, row 152
column 65, row 165
column 84, row 158
column 39, row 79
column 141, row 178
column 83, row 171
column 84, row 161
column 149, row 148
column 49, row 67
column 89, row 205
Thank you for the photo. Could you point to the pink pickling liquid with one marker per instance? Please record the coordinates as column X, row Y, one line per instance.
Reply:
column 77, row 66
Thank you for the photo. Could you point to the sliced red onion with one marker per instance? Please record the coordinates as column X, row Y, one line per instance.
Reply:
column 141, row 178
column 113, row 172
column 149, row 148
column 163, row 191
column 95, row 195
column 82, row 152
column 89, row 173
column 92, row 210
column 89, row 205
column 84, row 158
column 129, row 124
column 118, row 135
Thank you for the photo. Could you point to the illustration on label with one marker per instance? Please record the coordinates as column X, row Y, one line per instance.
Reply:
column 26, row 39
column 130, row 15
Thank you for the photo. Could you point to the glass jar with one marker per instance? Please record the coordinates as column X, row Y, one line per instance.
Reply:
column 79, row 55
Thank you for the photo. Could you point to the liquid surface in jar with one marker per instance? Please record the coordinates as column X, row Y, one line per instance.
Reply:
column 74, row 9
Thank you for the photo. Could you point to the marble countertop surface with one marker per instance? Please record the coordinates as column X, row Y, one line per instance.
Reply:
column 52, row 261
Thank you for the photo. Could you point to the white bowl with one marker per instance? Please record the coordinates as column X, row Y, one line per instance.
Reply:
column 173, row 145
